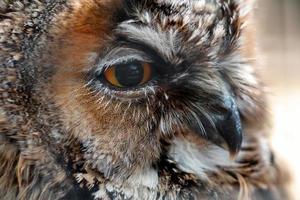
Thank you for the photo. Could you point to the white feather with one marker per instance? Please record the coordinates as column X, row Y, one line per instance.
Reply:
column 191, row 159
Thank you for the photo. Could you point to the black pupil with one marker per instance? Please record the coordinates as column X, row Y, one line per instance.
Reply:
column 130, row 74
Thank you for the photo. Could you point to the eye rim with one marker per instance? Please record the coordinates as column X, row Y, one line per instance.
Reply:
column 148, row 69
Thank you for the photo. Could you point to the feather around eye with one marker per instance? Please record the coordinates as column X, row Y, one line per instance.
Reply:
column 128, row 75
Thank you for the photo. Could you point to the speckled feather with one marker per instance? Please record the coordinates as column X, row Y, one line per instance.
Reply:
column 65, row 135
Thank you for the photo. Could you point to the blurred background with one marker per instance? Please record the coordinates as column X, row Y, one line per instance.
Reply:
column 279, row 53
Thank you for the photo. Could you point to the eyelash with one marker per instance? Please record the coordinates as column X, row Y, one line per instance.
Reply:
column 138, row 93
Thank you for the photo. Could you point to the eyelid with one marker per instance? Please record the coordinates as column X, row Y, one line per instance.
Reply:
column 121, row 56
column 121, row 61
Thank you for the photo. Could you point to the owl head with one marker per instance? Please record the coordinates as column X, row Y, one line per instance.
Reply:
column 130, row 76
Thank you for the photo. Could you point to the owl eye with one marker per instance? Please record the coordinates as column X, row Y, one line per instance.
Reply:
column 129, row 74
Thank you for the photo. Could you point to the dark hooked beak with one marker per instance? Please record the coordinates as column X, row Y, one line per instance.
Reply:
column 225, row 126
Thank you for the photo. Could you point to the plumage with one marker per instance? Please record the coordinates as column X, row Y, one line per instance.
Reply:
column 187, row 121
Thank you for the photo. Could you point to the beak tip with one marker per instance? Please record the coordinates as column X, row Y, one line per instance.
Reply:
column 233, row 152
column 234, row 141
column 233, row 155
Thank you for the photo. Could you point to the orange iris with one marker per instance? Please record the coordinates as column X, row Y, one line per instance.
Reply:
column 128, row 75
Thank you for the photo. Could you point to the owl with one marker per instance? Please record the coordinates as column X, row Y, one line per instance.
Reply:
column 133, row 99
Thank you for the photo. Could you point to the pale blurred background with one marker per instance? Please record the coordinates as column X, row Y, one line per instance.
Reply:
column 279, row 51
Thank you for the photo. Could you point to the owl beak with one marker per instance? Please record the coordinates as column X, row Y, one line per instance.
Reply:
column 229, row 126
column 225, row 128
